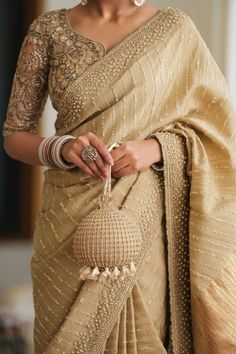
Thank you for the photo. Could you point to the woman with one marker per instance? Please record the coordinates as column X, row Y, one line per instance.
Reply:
column 143, row 78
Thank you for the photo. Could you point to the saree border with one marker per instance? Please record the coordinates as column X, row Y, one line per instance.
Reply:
column 110, row 66
column 177, row 194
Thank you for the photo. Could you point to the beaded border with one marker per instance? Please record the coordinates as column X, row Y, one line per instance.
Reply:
column 111, row 65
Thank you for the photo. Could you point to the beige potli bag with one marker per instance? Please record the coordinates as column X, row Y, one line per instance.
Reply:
column 107, row 240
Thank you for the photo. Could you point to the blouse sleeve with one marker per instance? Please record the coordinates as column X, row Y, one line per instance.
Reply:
column 29, row 88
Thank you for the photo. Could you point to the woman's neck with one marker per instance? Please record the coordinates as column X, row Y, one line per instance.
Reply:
column 110, row 9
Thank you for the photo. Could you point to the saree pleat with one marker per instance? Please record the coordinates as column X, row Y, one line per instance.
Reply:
column 122, row 331
column 131, row 340
column 112, row 345
column 142, row 321
column 134, row 330
column 161, row 81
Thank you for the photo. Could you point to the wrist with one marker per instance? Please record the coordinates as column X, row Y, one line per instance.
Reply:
column 156, row 150
column 157, row 164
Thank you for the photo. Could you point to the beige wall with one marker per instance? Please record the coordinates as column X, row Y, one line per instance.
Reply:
column 230, row 67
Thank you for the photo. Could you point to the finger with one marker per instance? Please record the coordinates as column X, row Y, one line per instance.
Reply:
column 121, row 163
column 103, row 167
column 118, row 153
column 101, row 148
column 83, row 166
column 125, row 171
column 93, row 166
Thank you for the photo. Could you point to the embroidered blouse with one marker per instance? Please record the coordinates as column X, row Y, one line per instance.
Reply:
column 51, row 54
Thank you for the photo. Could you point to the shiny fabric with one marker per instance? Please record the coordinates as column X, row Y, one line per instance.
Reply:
column 161, row 80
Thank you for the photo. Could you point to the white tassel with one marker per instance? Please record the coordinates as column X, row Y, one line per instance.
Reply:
column 125, row 270
column 106, row 273
column 132, row 267
column 94, row 274
column 84, row 272
column 115, row 273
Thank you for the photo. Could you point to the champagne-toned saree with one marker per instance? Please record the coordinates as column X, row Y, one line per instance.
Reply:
column 161, row 80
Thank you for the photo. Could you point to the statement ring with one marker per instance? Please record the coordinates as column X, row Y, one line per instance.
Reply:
column 89, row 154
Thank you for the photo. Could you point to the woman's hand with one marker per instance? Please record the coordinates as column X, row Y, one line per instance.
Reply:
column 97, row 169
column 135, row 155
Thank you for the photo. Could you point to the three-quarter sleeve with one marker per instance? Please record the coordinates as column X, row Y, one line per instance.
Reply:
column 29, row 88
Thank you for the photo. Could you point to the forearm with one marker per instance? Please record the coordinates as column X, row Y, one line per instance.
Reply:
column 23, row 146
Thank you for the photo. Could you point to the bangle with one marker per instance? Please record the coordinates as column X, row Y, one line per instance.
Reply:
column 49, row 152
column 44, row 152
column 56, row 152
column 157, row 166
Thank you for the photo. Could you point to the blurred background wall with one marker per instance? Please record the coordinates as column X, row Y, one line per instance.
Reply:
column 215, row 20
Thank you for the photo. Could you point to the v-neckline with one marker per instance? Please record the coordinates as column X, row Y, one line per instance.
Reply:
column 121, row 42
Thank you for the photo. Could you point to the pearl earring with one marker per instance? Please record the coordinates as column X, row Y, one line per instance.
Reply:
column 139, row 2
column 84, row 2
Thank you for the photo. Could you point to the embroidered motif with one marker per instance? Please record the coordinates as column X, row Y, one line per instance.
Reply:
column 51, row 56
column 78, row 96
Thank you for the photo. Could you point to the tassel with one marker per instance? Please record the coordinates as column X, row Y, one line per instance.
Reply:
column 95, row 274
column 106, row 272
column 115, row 273
column 132, row 267
column 84, row 272
column 125, row 270
column 95, row 271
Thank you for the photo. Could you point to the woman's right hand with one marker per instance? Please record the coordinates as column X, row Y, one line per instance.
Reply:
column 97, row 169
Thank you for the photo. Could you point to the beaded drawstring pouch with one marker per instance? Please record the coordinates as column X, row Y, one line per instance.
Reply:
column 107, row 240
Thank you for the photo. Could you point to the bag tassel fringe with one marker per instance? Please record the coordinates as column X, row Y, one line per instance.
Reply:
column 94, row 273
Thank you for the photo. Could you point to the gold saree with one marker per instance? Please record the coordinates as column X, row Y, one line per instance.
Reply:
column 161, row 80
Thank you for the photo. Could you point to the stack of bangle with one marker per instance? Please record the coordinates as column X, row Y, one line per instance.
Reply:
column 49, row 152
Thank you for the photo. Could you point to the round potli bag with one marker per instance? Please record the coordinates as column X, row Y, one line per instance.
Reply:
column 107, row 240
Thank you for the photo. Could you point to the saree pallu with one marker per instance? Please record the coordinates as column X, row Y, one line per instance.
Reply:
column 160, row 81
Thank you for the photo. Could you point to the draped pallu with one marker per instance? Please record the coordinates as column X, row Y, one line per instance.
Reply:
column 160, row 81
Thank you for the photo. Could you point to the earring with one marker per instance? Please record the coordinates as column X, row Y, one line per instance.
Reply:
column 84, row 2
column 139, row 2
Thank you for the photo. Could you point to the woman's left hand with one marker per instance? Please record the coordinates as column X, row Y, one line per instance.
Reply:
column 135, row 155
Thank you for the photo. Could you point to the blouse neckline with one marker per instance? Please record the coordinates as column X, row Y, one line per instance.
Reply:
column 116, row 46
